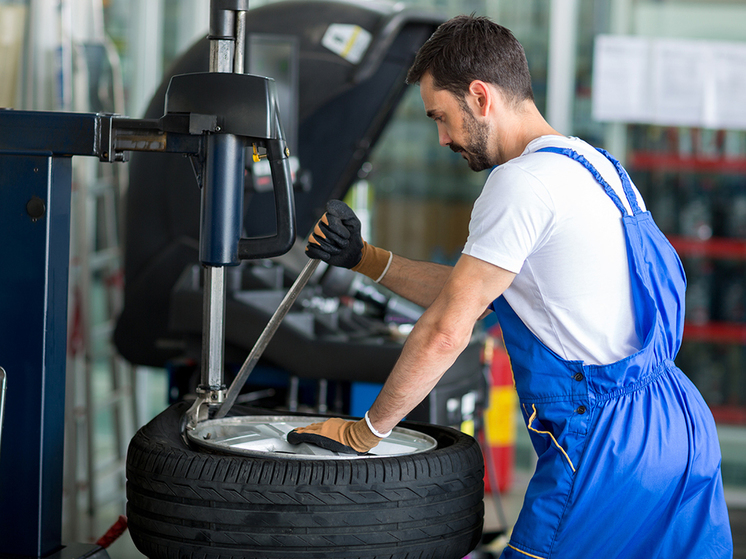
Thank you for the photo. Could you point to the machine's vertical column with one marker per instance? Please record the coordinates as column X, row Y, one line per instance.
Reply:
column 35, row 252
column 222, row 198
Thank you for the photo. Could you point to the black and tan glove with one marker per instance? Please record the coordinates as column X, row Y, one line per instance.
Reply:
column 336, row 240
column 337, row 435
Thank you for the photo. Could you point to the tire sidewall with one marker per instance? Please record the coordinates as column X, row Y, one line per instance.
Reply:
column 184, row 502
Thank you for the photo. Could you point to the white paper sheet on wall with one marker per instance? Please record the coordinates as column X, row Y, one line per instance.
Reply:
column 620, row 79
column 678, row 82
column 670, row 82
column 729, row 84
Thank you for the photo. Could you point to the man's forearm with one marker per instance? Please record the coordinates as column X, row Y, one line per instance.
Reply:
column 438, row 337
column 427, row 354
column 416, row 281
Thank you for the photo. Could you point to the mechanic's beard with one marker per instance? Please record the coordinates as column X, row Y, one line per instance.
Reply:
column 478, row 138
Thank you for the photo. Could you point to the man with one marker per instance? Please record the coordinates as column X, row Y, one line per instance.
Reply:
column 589, row 295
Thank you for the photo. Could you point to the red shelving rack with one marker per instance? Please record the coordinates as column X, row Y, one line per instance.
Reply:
column 661, row 161
column 715, row 248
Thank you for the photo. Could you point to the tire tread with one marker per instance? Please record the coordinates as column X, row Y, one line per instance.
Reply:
column 188, row 504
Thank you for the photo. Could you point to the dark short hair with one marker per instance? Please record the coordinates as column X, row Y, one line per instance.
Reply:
column 468, row 48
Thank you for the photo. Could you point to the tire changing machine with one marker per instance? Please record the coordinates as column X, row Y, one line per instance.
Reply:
column 215, row 118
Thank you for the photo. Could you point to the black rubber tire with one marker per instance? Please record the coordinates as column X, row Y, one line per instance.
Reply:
column 184, row 503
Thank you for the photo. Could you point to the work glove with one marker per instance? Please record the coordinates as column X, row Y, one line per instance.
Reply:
column 337, row 435
column 336, row 240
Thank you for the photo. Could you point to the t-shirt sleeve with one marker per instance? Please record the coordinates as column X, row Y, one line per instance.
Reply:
column 512, row 218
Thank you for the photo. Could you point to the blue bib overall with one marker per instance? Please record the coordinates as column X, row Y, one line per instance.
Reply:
column 628, row 455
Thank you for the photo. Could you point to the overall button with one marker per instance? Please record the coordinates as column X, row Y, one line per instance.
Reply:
column 578, row 377
column 581, row 410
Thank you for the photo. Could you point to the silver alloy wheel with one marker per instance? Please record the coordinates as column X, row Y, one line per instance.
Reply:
column 263, row 435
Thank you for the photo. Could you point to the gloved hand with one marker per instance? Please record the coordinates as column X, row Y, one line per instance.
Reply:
column 336, row 240
column 337, row 435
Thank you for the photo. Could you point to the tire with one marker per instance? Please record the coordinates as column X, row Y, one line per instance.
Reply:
column 184, row 503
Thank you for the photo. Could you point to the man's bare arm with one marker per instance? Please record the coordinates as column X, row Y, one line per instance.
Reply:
column 438, row 338
column 416, row 281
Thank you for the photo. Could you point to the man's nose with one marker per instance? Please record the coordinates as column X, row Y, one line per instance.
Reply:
column 443, row 138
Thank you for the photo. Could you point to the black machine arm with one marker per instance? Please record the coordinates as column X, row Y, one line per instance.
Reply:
column 282, row 184
column 246, row 106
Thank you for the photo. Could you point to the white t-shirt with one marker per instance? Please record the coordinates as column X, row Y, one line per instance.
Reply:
column 544, row 217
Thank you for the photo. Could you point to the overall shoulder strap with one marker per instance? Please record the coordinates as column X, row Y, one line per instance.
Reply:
column 626, row 184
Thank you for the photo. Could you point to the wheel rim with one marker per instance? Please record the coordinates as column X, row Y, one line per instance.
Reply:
column 267, row 435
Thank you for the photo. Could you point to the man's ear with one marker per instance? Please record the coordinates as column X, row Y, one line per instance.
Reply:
column 481, row 96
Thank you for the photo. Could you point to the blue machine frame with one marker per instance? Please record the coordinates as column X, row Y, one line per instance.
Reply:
column 36, row 150
column 211, row 117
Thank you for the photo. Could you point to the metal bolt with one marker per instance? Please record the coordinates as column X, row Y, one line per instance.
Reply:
column 36, row 208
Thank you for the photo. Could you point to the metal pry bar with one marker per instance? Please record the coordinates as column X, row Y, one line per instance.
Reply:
column 266, row 336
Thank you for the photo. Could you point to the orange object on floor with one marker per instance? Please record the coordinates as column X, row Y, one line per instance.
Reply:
column 499, row 418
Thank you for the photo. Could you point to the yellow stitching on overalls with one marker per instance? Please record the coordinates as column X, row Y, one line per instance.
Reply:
column 519, row 551
column 531, row 420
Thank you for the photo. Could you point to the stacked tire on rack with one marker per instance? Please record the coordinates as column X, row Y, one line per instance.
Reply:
column 185, row 502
